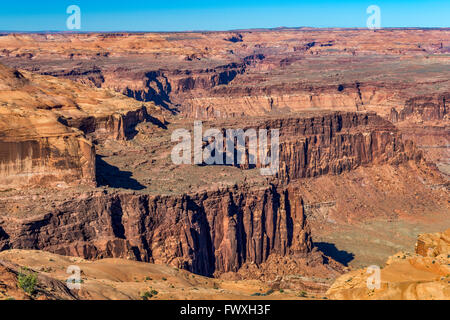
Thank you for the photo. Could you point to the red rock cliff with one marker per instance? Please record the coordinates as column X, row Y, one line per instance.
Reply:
column 207, row 233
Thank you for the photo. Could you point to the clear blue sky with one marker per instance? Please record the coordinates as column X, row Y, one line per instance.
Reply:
column 174, row 15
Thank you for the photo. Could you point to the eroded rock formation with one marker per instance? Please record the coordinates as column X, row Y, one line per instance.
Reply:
column 43, row 128
column 207, row 233
column 424, row 275
column 332, row 143
column 399, row 73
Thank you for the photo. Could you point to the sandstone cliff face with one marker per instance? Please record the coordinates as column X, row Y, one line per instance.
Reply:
column 43, row 126
column 426, row 108
column 331, row 143
column 47, row 161
column 275, row 98
column 421, row 276
column 37, row 150
column 113, row 126
column 208, row 233
column 424, row 120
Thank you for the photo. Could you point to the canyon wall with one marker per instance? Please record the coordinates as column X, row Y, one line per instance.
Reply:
column 47, row 161
column 206, row 233
column 111, row 126
column 47, row 126
column 426, row 107
column 424, row 120
column 341, row 142
column 316, row 144
column 215, row 232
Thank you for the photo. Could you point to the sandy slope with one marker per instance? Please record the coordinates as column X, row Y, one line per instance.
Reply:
column 424, row 275
column 123, row 279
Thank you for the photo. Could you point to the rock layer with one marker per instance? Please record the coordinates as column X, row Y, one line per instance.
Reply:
column 209, row 233
column 402, row 74
column 319, row 143
column 44, row 123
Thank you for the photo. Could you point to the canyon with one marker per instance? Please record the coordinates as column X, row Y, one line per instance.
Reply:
column 402, row 74
column 85, row 143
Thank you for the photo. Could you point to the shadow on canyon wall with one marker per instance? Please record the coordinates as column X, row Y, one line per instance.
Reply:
column 156, row 122
column 330, row 250
column 113, row 177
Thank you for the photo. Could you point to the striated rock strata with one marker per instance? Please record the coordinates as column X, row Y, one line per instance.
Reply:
column 44, row 123
column 206, row 233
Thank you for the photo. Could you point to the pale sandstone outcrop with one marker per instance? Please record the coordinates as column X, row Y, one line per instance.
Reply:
column 424, row 275
column 433, row 244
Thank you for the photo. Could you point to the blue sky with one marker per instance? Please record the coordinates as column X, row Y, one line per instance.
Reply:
column 133, row 15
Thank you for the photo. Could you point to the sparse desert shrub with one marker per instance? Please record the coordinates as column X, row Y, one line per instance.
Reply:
column 146, row 295
column 268, row 293
column 303, row 294
column 27, row 282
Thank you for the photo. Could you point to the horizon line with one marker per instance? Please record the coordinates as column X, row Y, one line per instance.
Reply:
column 218, row 31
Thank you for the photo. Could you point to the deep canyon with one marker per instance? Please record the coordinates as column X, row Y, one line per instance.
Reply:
column 85, row 143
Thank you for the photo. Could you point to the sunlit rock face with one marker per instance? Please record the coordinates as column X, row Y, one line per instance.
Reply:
column 424, row 275
column 43, row 127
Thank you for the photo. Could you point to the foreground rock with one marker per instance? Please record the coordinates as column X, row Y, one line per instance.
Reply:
column 424, row 275
column 45, row 287
column 116, row 279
